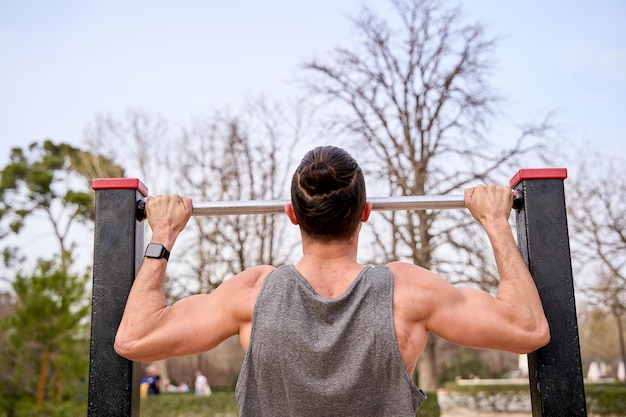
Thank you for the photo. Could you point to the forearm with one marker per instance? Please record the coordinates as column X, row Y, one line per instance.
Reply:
column 146, row 301
column 517, row 288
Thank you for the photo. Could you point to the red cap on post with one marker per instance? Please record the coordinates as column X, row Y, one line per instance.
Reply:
column 119, row 183
column 538, row 174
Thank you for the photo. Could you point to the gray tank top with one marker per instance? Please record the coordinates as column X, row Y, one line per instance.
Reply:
column 313, row 356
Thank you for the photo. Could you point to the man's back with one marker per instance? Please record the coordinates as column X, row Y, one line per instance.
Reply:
column 309, row 355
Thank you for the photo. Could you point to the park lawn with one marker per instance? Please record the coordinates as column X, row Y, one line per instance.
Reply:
column 602, row 400
column 223, row 404
column 220, row 404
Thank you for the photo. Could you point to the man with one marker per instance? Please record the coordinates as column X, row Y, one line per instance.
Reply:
column 151, row 381
column 201, row 385
column 327, row 336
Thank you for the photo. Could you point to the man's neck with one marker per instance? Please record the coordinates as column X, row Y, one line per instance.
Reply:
column 329, row 268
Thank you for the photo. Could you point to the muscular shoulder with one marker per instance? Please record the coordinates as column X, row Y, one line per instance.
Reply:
column 238, row 294
column 416, row 289
column 405, row 273
column 254, row 276
column 248, row 281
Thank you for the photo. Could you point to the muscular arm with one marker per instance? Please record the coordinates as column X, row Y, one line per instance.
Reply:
column 517, row 300
column 152, row 330
column 513, row 320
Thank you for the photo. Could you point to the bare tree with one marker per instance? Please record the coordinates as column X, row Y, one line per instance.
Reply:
column 415, row 96
column 597, row 214
column 139, row 141
column 217, row 157
column 597, row 209
column 224, row 157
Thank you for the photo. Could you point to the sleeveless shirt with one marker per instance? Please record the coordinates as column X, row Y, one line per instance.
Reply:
column 313, row 356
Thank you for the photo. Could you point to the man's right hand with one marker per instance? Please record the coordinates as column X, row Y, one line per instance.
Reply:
column 167, row 215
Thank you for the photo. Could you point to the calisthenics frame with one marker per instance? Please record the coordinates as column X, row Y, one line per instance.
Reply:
column 555, row 371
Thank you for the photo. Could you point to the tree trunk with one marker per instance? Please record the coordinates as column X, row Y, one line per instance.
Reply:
column 43, row 375
column 165, row 377
column 620, row 334
column 57, row 384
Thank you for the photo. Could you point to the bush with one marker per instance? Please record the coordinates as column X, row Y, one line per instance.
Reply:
column 430, row 407
column 605, row 399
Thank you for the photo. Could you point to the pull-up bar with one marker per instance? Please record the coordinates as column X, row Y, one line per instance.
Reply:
column 215, row 208
column 421, row 202
column 556, row 383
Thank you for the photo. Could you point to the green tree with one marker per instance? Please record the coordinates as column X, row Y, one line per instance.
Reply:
column 46, row 341
column 51, row 180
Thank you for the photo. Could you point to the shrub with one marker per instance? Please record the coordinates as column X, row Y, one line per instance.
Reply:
column 605, row 399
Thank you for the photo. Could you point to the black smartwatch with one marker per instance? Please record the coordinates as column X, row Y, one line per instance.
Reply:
column 156, row 250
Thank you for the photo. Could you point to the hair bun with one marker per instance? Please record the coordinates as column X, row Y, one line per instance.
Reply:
column 319, row 178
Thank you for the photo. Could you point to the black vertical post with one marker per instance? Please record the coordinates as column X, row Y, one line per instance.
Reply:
column 118, row 251
column 555, row 371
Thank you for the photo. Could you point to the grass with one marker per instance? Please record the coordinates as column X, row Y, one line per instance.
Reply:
column 220, row 404
column 602, row 400
column 223, row 404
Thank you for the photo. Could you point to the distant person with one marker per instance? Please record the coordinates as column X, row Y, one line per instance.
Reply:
column 151, row 382
column 327, row 336
column 201, row 385
column 169, row 387
column 184, row 386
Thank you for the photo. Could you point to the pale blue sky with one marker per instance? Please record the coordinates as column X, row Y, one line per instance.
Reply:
column 62, row 62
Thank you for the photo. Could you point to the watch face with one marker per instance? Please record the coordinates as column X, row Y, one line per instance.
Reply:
column 154, row 251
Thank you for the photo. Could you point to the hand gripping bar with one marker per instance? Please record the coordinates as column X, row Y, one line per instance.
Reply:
column 421, row 202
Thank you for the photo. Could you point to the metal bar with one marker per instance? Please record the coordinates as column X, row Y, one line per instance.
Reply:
column 433, row 202
column 421, row 202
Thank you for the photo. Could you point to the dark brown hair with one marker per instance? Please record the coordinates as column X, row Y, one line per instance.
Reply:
column 328, row 194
